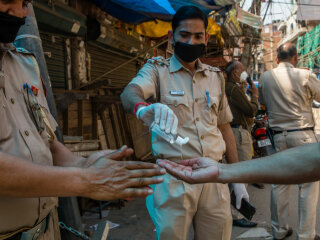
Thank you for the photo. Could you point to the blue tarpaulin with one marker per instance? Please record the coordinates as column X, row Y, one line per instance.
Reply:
column 138, row 11
column 205, row 5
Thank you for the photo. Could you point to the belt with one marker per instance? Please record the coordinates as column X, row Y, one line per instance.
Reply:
column 292, row 130
column 33, row 233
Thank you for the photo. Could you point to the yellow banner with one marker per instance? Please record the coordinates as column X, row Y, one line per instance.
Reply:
column 158, row 28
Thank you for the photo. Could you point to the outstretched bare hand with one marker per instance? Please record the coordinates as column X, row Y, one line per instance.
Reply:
column 119, row 154
column 107, row 179
column 197, row 170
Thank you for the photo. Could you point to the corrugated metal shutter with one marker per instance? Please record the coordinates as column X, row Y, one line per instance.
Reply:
column 103, row 61
column 56, row 62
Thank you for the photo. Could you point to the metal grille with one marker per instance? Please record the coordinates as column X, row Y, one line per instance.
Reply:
column 103, row 61
column 54, row 49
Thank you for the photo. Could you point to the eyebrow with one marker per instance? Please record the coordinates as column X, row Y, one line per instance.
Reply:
column 192, row 33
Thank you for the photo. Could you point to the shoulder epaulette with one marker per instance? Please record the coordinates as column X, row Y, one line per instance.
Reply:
column 159, row 60
column 214, row 69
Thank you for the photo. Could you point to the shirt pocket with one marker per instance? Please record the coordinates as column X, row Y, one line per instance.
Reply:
column 209, row 110
column 180, row 106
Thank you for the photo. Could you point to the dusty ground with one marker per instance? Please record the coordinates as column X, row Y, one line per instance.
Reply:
column 135, row 223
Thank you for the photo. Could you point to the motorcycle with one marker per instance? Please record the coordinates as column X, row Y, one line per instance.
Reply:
column 261, row 136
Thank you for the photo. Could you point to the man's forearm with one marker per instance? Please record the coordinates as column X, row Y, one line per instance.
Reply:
column 63, row 157
column 130, row 96
column 20, row 178
column 231, row 147
column 293, row 166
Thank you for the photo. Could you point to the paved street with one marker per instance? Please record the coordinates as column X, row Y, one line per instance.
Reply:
column 135, row 223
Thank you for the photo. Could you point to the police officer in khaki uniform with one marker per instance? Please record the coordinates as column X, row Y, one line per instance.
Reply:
column 288, row 93
column 191, row 103
column 35, row 167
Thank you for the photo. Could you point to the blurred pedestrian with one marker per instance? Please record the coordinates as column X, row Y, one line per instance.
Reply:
column 243, row 111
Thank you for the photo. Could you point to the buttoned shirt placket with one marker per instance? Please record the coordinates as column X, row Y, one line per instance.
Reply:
column 196, row 107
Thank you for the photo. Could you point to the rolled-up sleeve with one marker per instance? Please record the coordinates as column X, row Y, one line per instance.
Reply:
column 146, row 79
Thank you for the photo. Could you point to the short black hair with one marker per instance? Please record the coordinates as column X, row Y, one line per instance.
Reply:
column 286, row 51
column 230, row 67
column 188, row 12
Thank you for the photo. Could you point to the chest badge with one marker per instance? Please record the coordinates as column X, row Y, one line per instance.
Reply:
column 31, row 89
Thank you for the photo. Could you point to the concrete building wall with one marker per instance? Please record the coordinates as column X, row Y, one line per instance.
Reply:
column 270, row 39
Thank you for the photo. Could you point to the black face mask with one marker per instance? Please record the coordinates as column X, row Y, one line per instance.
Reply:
column 9, row 27
column 189, row 52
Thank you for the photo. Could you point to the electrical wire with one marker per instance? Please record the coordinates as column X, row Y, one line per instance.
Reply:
column 263, row 7
column 283, row 12
column 299, row 4
column 244, row 2
column 271, row 11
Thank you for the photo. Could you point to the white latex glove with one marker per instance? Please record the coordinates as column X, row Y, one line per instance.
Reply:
column 241, row 192
column 161, row 114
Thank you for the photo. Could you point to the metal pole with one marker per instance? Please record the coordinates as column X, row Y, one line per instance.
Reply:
column 266, row 10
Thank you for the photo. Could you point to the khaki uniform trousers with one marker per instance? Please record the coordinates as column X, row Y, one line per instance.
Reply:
column 308, row 193
column 175, row 204
column 50, row 232
column 53, row 229
column 244, row 143
column 244, row 147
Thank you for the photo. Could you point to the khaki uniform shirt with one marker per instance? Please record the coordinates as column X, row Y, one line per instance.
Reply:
column 198, row 116
column 19, row 136
column 287, row 93
column 243, row 110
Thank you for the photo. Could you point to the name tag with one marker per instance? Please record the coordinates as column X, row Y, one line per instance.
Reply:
column 177, row 93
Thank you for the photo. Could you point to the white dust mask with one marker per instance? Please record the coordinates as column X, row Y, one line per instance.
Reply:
column 243, row 76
